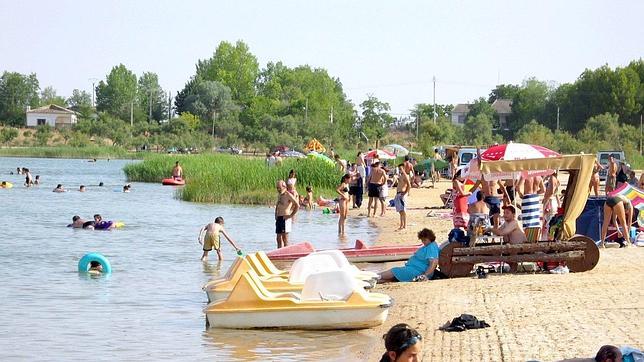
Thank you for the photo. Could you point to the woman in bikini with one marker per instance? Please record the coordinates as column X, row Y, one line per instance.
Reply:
column 343, row 202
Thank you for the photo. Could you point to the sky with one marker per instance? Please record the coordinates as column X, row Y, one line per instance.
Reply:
column 390, row 49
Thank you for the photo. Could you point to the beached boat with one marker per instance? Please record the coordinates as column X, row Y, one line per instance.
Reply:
column 330, row 300
column 173, row 182
column 281, row 282
column 361, row 253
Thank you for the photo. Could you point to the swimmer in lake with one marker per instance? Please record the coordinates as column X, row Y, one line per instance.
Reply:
column 81, row 188
column 95, row 267
column 59, row 188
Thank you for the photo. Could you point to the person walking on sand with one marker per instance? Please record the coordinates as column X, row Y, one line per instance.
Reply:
column 210, row 238
column 400, row 200
column 343, row 202
column 177, row 171
column 285, row 208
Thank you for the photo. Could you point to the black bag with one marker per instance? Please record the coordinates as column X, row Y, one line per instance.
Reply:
column 465, row 321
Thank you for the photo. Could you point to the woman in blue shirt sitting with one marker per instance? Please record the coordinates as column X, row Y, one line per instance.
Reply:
column 420, row 266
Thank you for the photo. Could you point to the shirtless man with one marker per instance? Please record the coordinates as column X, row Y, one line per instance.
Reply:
column 177, row 171
column 400, row 200
column 611, row 177
column 492, row 198
column 529, row 189
column 479, row 207
column 377, row 178
column 285, row 208
column 510, row 230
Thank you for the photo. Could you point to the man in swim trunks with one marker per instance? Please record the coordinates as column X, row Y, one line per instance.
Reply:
column 177, row 171
column 529, row 189
column 285, row 208
column 377, row 178
column 491, row 197
column 400, row 200
column 611, row 176
column 408, row 168
column 212, row 238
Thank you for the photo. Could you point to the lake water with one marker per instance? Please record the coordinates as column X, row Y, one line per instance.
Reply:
column 150, row 307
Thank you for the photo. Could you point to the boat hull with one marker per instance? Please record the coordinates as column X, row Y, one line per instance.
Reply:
column 363, row 254
column 173, row 182
column 346, row 318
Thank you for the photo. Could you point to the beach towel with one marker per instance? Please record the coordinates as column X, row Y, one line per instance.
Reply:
column 465, row 321
column 531, row 211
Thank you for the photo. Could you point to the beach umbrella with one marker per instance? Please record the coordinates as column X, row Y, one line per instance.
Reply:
column 382, row 154
column 516, row 151
column 396, row 149
column 314, row 145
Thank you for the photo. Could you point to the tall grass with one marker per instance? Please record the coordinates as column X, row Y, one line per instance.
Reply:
column 68, row 152
column 228, row 179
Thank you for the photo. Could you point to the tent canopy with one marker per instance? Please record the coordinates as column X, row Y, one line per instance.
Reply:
column 577, row 191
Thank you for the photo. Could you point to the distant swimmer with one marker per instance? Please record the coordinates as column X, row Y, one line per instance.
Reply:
column 126, row 188
column 100, row 184
column 92, row 160
column 79, row 223
column 81, row 188
column 59, row 188
column 212, row 238
column 29, row 181
column 19, row 170
column 37, row 180
column 100, row 224
column 95, row 267
column 177, row 171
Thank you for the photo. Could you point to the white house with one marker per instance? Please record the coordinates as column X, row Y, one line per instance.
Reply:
column 502, row 109
column 53, row 115
column 459, row 113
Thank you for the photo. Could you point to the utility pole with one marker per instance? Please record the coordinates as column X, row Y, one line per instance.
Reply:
column 169, row 106
column 93, row 80
column 557, row 118
column 214, row 115
column 331, row 115
column 434, row 80
column 150, row 105
column 417, row 121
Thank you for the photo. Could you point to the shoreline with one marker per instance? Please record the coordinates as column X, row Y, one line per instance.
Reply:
column 532, row 316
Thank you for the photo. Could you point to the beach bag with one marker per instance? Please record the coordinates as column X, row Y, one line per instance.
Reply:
column 463, row 322
column 458, row 236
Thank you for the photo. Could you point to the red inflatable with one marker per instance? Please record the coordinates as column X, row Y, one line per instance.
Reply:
column 173, row 181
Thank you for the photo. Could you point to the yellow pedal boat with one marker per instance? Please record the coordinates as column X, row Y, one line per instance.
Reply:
column 329, row 300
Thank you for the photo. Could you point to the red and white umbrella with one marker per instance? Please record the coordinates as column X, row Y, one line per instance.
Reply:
column 382, row 154
column 510, row 151
column 517, row 151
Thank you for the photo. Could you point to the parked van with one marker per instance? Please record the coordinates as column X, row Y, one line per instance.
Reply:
column 602, row 157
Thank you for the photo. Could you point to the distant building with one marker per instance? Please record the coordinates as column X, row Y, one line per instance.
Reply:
column 53, row 115
column 502, row 108
column 459, row 113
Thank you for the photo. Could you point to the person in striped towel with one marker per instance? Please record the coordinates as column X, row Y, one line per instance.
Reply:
column 529, row 189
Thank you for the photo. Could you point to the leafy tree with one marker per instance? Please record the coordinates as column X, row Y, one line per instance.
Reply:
column 17, row 92
column 477, row 130
column 211, row 100
column 375, row 119
column 529, row 102
column 48, row 96
column 503, row 91
column 42, row 134
column 117, row 93
column 481, row 106
column 536, row 133
column 193, row 121
column 8, row 134
column 152, row 97
column 566, row 143
column 81, row 102
column 235, row 67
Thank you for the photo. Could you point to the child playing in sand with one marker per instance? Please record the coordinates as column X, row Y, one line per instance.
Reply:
column 211, row 238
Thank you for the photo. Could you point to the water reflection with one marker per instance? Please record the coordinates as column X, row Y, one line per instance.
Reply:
column 277, row 345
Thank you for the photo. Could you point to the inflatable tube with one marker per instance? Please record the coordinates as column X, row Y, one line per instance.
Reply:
column 7, row 185
column 103, row 225
column 87, row 259
column 173, row 182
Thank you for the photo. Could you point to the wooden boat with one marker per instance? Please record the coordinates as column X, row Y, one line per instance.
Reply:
column 361, row 253
column 330, row 300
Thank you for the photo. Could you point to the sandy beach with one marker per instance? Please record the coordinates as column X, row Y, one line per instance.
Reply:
column 542, row 317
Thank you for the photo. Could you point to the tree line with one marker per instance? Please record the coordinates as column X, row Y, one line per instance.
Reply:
column 233, row 100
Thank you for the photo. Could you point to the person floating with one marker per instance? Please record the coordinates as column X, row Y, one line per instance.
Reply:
column 210, row 238
column 100, row 224
column 81, row 188
column 420, row 266
column 59, row 188
column 79, row 223
column 402, row 343
column 126, row 188
column 285, row 208
column 177, row 171
column 37, row 180
column 95, row 268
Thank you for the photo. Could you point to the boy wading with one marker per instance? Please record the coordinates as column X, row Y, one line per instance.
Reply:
column 285, row 208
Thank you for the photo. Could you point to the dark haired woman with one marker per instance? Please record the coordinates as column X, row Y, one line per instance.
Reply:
column 420, row 266
column 403, row 344
column 343, row 202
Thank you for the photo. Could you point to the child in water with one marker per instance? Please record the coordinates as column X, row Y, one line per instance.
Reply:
column 211, row 239
column 95, row 268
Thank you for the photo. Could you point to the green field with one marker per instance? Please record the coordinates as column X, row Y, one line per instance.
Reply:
column 229, row 179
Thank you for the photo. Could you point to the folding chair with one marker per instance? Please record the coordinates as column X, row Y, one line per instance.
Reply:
column 448, row 203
